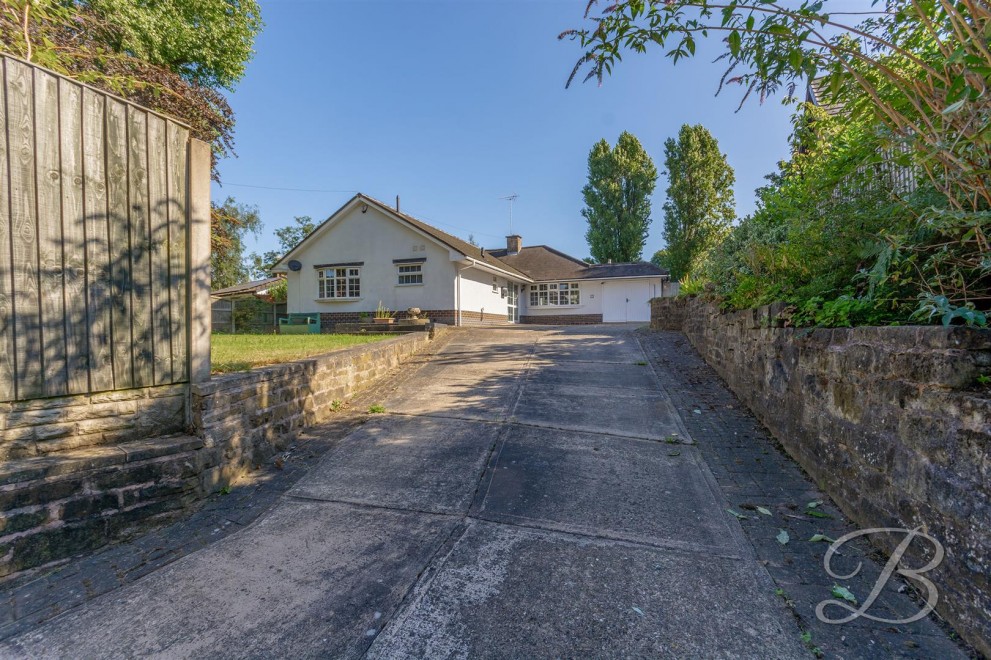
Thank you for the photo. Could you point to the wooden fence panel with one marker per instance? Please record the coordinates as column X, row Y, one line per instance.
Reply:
column 50, row 244
column 94, row 231
column 137, row 186
column 120, row 244
column 7, row 375
column 97, row 255
column 24, row 230
column 74, row 235
column 160, row 283
column 178, row 152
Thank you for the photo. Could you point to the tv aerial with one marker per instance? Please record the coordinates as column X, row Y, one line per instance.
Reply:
column 510, row 198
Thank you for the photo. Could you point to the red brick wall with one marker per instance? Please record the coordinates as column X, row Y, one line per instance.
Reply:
column 563, row 319
column 446, row 316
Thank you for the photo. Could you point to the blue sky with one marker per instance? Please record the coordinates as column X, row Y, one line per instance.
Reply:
column 452, row 105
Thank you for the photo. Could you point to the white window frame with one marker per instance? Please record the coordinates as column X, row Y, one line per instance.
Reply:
column 333, row 280
column 411, row 272
column 550, row 294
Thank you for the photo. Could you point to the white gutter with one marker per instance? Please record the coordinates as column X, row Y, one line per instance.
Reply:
column 481, row 265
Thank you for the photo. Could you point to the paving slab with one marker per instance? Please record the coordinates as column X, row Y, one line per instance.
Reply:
column 607, row 486
column 309, row 579
column 506, row 592
column 617, row 348
column 617, row 411
column 628, row 376
column 490, row 399
column 455, row 369
column 417, row 463
column 477, row 350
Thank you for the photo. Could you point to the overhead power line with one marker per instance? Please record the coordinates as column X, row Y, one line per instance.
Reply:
column 324, row 190
column 313, row 190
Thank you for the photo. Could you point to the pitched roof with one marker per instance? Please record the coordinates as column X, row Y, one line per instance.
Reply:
column 544, row 263
column 245, row 288
column 818, row 91
column 538, row 262
column 452, row 242
column 633, row 269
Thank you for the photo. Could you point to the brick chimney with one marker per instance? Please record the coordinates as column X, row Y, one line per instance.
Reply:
column 514, row 244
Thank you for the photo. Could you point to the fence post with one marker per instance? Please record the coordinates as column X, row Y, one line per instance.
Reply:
column 200, row 315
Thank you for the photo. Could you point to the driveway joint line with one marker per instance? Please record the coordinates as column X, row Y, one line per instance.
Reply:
column 565, row 531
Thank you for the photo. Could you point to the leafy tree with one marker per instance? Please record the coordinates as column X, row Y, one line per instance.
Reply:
column 230, row 222
column 617, row 199
column 173, row 56
column 919, row 68
column 289, row 237
column 661, row 259
column 206, row 41
column 818, row 238
column 916, row 73
column 700, row 207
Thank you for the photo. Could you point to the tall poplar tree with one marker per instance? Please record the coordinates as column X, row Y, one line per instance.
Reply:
column 617, row 199
column 700, row 207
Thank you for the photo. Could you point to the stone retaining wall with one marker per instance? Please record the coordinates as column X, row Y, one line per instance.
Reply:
column 890, row 421
column 54, row 509
column 44, row 426
column 250, row 416
column 101, row 467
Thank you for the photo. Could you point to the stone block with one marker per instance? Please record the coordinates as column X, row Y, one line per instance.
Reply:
column 51, row 543
column 13, row 522
column 89, row 505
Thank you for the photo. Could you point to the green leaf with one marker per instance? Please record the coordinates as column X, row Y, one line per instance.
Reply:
column 766, row 512
column 953, row 107
column 844, row 593
column 734, row 43
column 783, row 537
column 796, row 57
column 818, row 514
column 739, row 516
column 816, row 538
column 814, row 504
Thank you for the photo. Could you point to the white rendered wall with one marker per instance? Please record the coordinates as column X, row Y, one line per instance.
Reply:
column 591, row 298
column 376, row 240
column 477, row 294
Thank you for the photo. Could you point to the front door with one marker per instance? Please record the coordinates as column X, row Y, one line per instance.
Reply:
column 512, row 303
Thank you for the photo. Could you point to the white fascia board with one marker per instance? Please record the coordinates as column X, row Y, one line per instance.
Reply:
column 488, row 268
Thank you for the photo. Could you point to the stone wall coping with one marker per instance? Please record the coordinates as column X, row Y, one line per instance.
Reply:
column 901, row 336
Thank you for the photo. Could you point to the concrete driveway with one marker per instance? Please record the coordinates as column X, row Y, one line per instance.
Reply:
column 528, row 493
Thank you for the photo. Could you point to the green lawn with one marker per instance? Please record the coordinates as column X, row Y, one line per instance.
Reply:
column 242, row 352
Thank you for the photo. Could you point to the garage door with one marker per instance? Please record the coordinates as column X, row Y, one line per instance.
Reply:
column 626, row 301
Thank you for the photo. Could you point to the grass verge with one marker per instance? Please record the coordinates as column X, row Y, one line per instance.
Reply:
column 243, row 352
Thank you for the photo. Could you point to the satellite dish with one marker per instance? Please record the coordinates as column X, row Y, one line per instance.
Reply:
column 295, row 266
